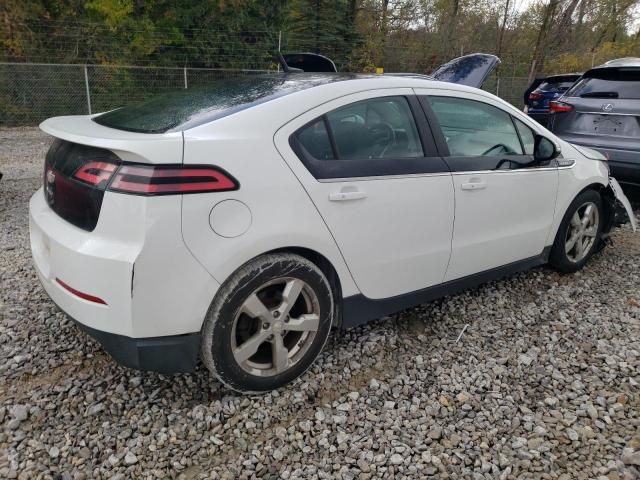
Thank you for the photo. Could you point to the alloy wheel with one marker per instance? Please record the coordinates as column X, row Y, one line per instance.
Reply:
column 582, row 232
column 275, row 326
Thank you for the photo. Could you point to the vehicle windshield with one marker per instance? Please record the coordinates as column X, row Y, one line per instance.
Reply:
column 183, row 109
column 608, row 83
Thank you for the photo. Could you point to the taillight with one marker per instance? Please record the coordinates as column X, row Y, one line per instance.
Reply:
column 559, row 107
column 167, row 180
column 95, row 173
column 535, row 96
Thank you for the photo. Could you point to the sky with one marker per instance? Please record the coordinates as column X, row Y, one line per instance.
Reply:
column 521, row 5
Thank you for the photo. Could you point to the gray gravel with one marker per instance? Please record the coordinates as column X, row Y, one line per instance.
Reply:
column 543, row 383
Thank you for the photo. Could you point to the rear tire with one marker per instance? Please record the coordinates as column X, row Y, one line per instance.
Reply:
column 268, row 323
column 579, row 234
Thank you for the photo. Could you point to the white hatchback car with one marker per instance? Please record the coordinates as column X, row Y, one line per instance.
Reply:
column 238, row 223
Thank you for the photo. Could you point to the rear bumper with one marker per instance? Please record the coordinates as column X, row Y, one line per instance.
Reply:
column 155, row 293
column 171, row 354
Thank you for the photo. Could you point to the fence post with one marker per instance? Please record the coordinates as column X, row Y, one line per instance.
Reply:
column 185, row 78
column 279, row 45
column 86, row 86
column 532, row 72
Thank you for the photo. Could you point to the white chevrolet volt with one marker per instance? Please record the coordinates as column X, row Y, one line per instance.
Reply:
column 236, row 224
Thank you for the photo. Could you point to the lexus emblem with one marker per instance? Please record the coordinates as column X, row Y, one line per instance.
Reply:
column 607, row 107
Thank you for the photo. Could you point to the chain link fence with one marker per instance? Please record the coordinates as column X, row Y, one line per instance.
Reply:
column 49, row 67
column 32, row 92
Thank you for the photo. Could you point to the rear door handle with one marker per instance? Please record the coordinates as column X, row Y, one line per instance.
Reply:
column 346, row 194
column 474, row 184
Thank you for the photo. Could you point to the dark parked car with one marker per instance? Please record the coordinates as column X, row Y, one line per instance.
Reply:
column 602, row 111
column 544, row 90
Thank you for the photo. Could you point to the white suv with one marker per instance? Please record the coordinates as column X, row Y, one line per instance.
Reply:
column 238, row 223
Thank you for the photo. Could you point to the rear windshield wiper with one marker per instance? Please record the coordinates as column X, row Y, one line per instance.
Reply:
column 599, row 95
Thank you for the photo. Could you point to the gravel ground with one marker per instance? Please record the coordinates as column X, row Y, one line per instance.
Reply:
column 543, row 383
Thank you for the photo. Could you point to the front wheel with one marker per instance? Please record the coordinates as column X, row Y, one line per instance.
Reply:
column 268, row 323
column 579, row 233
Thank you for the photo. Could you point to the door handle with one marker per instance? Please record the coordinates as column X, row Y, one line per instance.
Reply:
column 474, row 184
column 346, row 194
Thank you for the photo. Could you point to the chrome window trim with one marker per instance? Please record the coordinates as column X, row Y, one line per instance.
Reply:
column 382, row 177
column 442, row 174
column 517, row 170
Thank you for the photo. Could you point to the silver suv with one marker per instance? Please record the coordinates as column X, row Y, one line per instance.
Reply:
column 602, row 111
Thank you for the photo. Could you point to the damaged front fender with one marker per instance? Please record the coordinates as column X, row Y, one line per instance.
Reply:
column 619, row 196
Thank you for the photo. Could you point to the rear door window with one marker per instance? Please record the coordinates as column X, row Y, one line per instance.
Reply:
column 315, row 139
column 608, row 83
column 378, row 128
column 374, row 137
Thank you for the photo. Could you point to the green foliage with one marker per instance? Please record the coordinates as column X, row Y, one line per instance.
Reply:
column 326, row 27
column 112, row 12
column 400, row 35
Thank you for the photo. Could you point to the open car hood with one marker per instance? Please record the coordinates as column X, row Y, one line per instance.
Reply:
column 309, row 62
column 471, row 70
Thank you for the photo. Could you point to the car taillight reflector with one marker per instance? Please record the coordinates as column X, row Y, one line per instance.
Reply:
column 535, row 96
column 163, row 180
column 559, row 107
column 78, row 293
column 95, row 173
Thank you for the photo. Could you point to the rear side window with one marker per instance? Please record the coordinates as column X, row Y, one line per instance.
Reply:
column 474, row 128
column 608, row 83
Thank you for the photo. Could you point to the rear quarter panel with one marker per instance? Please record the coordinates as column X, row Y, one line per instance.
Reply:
column 282, row 214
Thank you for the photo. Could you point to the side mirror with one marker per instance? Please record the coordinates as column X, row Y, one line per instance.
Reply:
column 544, row 149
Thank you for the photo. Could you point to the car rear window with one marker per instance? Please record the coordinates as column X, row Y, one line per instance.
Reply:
column 555, row 86
column 608, row 83
column 191, row 107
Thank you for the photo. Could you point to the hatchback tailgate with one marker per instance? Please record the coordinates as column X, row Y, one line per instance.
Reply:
column 164, row 148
